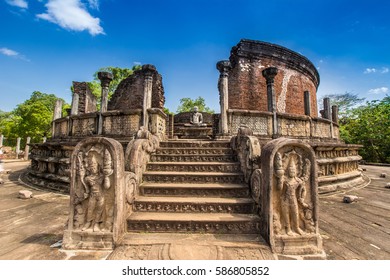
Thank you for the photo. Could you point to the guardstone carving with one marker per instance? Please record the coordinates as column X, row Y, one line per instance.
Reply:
column 97, row 195
column 289, row 199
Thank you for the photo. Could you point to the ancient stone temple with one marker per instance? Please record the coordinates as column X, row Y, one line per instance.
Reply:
column 251, row 174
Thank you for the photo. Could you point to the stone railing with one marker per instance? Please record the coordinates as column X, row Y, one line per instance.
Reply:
column 137, row 154
column 288, row 125
column 248, row 151
column 114, row 124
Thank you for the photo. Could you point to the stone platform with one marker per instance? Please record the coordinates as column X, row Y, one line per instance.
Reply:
column 28, row 228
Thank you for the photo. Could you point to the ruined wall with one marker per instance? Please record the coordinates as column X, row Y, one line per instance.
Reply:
column 86, row 100
column 247, row 86
column 130, row 92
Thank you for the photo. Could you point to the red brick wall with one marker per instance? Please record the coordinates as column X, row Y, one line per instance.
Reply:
column 248, row 89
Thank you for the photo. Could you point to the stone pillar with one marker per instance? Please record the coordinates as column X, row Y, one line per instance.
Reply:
column 57, row 114
column 105, row 79
column 148, row 86
column 306, row 101
column 327, row 112
column 75, row 104
column 223, row 68
column 17, row 147
column 1, row 140
column 335, row 114
column 27, row 148
column 44, row 140
column 269, row 74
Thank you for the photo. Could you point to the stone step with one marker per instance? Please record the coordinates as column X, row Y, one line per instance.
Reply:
column 193, row 205
column 193, row 158
column 194, row 151
column 194, row 144
column 194, row 166
column 225, row 223
column 192, row 177
column 194, row 190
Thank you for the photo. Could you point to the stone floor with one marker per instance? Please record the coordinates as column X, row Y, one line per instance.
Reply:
column 30, row 229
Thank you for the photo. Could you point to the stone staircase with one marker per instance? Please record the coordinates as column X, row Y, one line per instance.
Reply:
column 193, row 187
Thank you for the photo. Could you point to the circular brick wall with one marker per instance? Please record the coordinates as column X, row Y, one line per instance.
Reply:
column 247, row 86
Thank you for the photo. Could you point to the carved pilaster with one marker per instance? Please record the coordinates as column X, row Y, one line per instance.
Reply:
column 223, row 67
column 269, row 74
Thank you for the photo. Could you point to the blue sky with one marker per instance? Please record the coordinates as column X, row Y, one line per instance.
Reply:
column 45, row 45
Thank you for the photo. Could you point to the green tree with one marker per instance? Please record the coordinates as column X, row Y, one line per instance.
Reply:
column 346, row 102
column 187, row 104
column 369, row 125
column 31, row 118
column 118, row 75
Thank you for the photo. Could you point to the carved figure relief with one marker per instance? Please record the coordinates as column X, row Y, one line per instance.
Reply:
column 94, row 206
column 292, row 207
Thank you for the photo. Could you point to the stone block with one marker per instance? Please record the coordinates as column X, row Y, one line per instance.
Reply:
column 383, row 175
column 350, row 198
column 25, row 194
column 387, row 186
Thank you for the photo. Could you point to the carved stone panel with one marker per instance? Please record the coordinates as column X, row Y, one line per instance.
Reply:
column 259, row 125
column 289, row 206
column 97, row 195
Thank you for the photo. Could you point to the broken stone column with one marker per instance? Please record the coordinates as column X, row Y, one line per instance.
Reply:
column 307, row 104
column 327, row 111
column 269, row 74
column 335, row 114
column 289, row 200
column 97, row 195
column 27, row 148
column 17, row 147
column 1, row 140
column 105, row 79
column 44, row 140
column 75, row 104
column 57, row 113
column 148, row 86
column 224, row 68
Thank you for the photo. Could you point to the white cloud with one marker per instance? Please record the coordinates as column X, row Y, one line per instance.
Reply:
column 18, row 3
column 8, row 52
column 94, row 4
column 369, row 70
column 385, row 70
column 12, row 53
column 379, row 90
column 71, row 15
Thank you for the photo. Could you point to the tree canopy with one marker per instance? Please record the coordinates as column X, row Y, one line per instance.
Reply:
column 118, row 75
column 187, row 104
column 369, row 125
column 31, row 118
column 346, row 102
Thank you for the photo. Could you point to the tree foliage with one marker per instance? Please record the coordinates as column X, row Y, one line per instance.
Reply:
column 31, row 118
column 369, row 125
column 187, row 104
column 346, row 102
column 118, row 75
